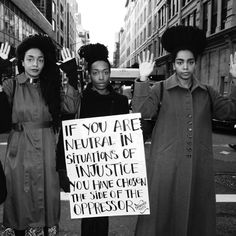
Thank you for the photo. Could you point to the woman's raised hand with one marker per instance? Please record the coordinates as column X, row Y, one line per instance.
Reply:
column 67, row 55
column 146, row 65
column 4, row 50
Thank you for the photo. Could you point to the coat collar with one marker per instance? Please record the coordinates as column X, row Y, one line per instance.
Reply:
column 22, row 78
column 173, row 82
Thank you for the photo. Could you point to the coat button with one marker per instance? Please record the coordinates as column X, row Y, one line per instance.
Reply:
column 190, row 129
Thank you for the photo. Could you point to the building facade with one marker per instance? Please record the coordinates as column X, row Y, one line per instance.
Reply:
column 146, row 21
column 19, row 19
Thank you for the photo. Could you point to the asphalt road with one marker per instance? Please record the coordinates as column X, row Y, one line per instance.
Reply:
column 225, row 169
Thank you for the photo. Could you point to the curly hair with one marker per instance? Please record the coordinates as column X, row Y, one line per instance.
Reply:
column 50, row 75
column 182, row 37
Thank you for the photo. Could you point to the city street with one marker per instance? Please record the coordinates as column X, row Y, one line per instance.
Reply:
column 225, row 169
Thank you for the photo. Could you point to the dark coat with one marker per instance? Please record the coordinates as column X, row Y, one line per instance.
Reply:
column 180, row 167
column 94, row 104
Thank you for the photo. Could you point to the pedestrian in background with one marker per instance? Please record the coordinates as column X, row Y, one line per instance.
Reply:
column 180, row 169
column 98, row 99
column 33, row 193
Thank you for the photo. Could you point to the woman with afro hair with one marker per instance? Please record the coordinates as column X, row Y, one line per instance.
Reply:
column 33, row 192
column 180, row 167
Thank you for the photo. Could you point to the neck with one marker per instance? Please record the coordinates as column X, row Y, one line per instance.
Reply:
column 185, row 83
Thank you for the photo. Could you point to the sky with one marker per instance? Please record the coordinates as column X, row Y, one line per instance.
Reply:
column 103, row 19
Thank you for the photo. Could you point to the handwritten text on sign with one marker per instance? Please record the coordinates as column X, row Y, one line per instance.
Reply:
column 105, row 162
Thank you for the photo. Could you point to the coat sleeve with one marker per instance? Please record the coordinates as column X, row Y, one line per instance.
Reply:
column 146, row 99
column 224, row 108
column 70, row 100
column 6, row 95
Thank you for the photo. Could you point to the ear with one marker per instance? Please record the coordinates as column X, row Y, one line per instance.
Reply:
column 23, row 64
column 174, row 68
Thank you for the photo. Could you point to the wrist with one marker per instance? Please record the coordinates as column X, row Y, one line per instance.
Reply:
column 143, row 78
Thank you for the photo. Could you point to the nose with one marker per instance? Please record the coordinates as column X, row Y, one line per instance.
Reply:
column 35, row 62
column 185, row 65
column 101, row 76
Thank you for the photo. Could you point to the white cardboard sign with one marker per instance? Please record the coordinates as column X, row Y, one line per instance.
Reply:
column 105, row 162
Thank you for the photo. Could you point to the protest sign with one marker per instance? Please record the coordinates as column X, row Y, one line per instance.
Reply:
column 105, row 163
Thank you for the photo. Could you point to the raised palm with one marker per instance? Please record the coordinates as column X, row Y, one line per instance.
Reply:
column 146, row 65
column 4, row 50
column 67, row 55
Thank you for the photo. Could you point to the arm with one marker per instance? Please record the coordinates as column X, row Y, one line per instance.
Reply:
column 225, row 107
column 145, row 99
column 69, row 66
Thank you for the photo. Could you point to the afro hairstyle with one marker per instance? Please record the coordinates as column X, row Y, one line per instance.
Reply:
column 183, row 37
column 94, row 52
column 42, row 42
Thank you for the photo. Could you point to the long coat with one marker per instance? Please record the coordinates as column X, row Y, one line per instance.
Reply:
column 33, row 198
column 180, row 167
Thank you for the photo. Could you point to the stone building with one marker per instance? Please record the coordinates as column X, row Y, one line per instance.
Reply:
column 146, row 20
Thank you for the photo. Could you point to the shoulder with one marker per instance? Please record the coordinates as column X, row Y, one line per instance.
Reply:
column 120, row 97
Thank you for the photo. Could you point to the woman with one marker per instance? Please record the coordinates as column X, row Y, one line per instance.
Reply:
column 180, row 169
column 98, row 99
column 33, row 200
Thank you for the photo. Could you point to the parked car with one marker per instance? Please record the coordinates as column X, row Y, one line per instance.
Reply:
column 228, row 126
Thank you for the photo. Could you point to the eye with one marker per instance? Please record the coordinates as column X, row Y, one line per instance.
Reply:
column 41, row 60
column 94, row 73
column 106, row 72
column 179, row 63
column 191, row 62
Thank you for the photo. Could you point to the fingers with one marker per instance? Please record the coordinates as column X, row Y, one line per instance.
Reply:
column 146, row 57
column 65, row 53
column 5, row 49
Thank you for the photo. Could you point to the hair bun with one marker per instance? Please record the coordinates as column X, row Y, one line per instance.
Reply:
column 93, row 52
column 184, row 37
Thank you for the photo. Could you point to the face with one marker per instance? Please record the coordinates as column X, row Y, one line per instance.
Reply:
column 100, row 76
column 184, row 64
column 33, row 63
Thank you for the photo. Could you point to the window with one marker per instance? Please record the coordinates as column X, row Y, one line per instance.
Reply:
column 1, row 17
column 149, row 28
column 62, row 25
column 53, row 25
column 214, row 16
column 205, row 16
column 224, row 13
column 53, row 7
column 155, row 22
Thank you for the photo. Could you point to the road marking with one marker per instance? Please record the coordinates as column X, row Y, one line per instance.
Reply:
column 3, row 143
column 225, row 153
column 225, row 197
column 220, row 145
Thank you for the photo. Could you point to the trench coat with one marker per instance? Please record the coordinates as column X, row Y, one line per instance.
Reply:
column 180, row 167
column 33, row 198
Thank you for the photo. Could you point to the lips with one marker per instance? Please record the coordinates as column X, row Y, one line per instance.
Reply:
column 35, row 70
column 186, row 73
